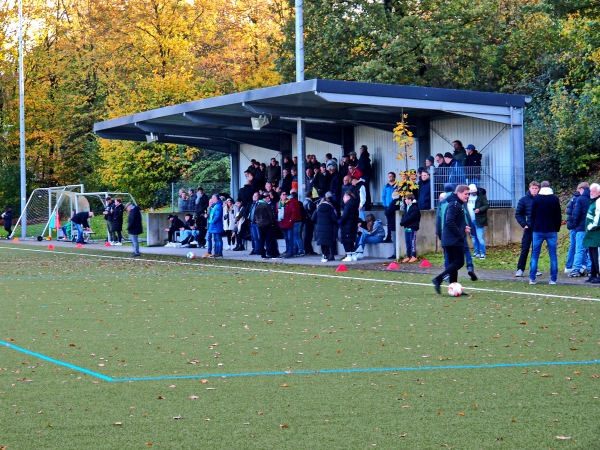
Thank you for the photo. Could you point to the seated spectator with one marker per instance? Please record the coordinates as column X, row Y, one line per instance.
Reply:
column 411, row 220
column 176, row 225
column 372, row 232
column 189, row 236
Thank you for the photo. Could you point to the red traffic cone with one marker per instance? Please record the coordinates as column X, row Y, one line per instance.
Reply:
column 107, row 244
column 341, row 268
column 425, row 264
column 79, row 246
column 393, row 266
column 51, row 247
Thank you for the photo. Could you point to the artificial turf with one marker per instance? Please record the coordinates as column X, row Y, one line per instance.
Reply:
column 195, row 354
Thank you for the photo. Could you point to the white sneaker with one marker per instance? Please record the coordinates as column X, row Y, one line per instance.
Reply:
column 348, row 258
column 354, row 257
column 552, row 282
column 168, row 244
column 359, row 255
column 194, row 243
column 532, row 282
column 324, row 259
column 568, row 270
column 519, row 273
column 360, row 249
column 117, row 243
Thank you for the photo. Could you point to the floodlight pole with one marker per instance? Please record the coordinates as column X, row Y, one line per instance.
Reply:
column 300, row 126
column 22, row 126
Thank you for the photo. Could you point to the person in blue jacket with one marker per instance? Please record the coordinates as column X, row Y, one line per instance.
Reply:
column 215, row 226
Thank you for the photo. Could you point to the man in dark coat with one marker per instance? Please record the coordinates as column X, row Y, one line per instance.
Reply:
column 325, row 219
column 546, row 218
column 473, row 165
column 266, row 219
column 349, row 225
column 117, row 225
column 80, row 220
column 453, row 237
column 523, row 216
column 581, row 255
column 134, row 227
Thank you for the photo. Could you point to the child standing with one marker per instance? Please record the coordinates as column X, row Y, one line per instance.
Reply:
column 410, row 221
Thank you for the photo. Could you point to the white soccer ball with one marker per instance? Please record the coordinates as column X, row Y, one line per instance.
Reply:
column 191, row 255
column 454, row 289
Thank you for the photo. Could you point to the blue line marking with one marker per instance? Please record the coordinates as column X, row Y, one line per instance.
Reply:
column 56, row 361
column 296, row 372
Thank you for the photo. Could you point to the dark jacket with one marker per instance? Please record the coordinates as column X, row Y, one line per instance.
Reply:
column 245, row 194
column 481, row 218
column 177, row 224
column 454, row 233
column 134, row 221
column 325, row 219
column 264, row 215
column 349, row 221
column 8, row 217
column 411, row 217
column 523, row 211
column 580, row 210
column 81, row 218
column 424, row 199
column 364, row 165
column 118, row 216
column 321, row 183
column 201, row 204
column 273, row 174
column 546, row 216
column 571, row 225
column 473, row 165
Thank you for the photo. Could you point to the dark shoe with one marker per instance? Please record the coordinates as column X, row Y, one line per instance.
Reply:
column 388, row 239
column 331, row 258
column 287, row 255
column 239, row 248
column 135, row 255
column 392, row 257
column 218, row 255
column 595, row 280
column 300, row 255
column 575, row 274
column 472, row 275
column 437, row 286
column 463, row 293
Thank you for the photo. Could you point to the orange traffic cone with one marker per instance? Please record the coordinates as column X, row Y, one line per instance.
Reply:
column 425, row 264
column 79, row 246
column 393, row 266
column 51, row 247
column 16, row 239
column 107, row 244
column 341, row 268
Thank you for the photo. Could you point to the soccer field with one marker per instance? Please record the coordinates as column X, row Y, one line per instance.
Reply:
column 106, row 352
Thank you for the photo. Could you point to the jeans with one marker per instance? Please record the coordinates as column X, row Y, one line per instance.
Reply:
column 479, row 242
column 582, row 256
column 525, row 246
column 410, row 239
column 79, row 229
column 572, row 247
column 190, row 235
column 255, row 238
column 209, row 242
column 298, row 245
column 218, row 237
column 288, row 236
column 551, row 241
column 136, row 244
column 368, row 239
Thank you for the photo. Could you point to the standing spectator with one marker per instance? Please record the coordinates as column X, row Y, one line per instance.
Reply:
column 117, row 223
column 429, row 162
column 215, row 226
column 359, row 188
column 364, row 163
column 134, row 227
column 191, row 200
column 286, row 180
column 346, row 186
column 108, row 217
column 546, row 218
column 265, row 219
column 473, row 165
column 7, row 215
column 272, row 193
column 411, row 219
column 80, row 220
column 286, row 216
column 389, row 200
column 253, row 226
column 201, row 207
column 229, row 213
column 310, row 207
column 424, row 183
column 581, row 260
column 454, row 233
column 308, row 181
column 460, row 154
column 343, row 167
column 273, row 172
column 335, row 182
column 287, row 164
column 455, row 171
column 322, row 181
column 294, row 175
column 182, row 201
column 592, row 232
column 298, row 220
column 477, row 207
column 523, row 216
column 325, row 219
column 572, row 227
column 348, row 225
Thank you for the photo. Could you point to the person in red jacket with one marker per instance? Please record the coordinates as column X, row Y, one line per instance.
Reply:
column 288, row 212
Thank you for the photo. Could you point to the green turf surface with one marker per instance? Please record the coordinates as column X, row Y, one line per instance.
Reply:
column 123, row 318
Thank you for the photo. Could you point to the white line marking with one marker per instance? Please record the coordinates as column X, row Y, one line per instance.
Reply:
column 289, row 272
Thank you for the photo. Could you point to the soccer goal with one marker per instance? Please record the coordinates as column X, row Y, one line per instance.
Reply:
column 49, row 208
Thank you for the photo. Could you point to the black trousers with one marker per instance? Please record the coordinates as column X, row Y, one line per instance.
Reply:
column 526, row 241
column 594, row 257
column 456, row 259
